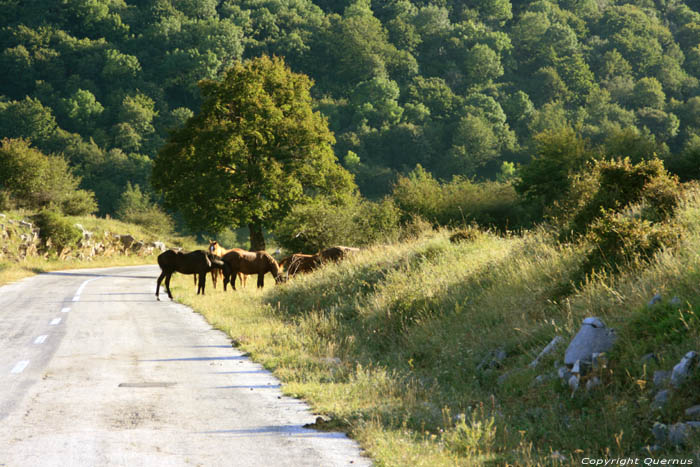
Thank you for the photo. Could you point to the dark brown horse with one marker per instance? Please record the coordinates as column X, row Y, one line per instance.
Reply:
column 336, row 253
column 250, row 262
column 300, row 262
column 198, row 262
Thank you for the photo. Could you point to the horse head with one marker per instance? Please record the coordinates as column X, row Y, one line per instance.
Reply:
column 213, row 244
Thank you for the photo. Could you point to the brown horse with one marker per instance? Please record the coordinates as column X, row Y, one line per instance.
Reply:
column 218, row 250
column 250, row 262
column 198, row 262
column 300, row 262
column 336, row 253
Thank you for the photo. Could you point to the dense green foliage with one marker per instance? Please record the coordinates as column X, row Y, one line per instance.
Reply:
column 56, row 230
column 255, row 150
column 313, row 226
column 459, row 87
column 30, row 179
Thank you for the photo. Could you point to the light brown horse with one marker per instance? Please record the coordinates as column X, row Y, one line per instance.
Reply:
column 218, row 250
column 250, row 262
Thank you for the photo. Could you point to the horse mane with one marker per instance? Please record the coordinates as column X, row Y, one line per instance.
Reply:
column 274, row 267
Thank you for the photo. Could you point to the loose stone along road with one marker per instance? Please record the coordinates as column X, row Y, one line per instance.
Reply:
column 95, row 372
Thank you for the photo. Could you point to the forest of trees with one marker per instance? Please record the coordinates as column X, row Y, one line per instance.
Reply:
column 460, row 87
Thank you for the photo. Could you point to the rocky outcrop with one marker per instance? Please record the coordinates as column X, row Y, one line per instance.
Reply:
column 20, row 240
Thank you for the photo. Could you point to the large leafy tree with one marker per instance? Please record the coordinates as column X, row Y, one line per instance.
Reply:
column 255, row 149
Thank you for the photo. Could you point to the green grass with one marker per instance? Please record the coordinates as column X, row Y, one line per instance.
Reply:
column 388, row 344
column 391, row 345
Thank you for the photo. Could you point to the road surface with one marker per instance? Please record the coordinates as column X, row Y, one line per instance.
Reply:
column 95, row 372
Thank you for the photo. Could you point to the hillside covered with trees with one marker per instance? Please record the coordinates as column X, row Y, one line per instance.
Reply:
column 459, row 87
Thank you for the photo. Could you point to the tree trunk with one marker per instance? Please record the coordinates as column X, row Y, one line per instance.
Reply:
column 257, row 240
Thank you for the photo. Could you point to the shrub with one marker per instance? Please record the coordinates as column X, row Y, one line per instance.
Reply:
column 560, row 153
column 616, row 185
column 321, row 223
column 33, row 180
column 459, row 201
column 79, row 203
column 56, row 230
column 619, row 240
column 136, row 207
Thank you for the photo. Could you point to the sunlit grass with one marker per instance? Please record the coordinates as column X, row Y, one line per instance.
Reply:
column 387, row 342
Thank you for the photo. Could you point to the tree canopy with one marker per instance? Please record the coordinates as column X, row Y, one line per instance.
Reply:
column 254, row 150
column 458, row 86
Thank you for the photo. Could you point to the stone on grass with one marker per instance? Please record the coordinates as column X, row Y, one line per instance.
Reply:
column 660, row 399
column 693, row 412
column 660, row 432
column 593, row 337
column 654, row 300
column 593, row 383
column 682, row 370
column 661, row 378
column 551, row 347
column 678, row 433
column 573, row 383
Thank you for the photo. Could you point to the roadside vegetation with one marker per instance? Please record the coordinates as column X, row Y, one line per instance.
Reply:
column 394, row 345
column 13, row 269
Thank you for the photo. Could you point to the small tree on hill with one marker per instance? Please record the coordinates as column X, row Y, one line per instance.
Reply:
column 31, row 179
column 255, row 149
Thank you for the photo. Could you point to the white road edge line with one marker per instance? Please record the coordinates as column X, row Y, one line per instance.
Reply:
column 41, row 339
column 65, row 310
column 76, row 297
column 55, row 321
column 20, row 366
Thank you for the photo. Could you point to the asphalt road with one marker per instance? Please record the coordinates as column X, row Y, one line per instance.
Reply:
column 95, row 372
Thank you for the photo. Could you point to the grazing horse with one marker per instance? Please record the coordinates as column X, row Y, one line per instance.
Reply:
column 336, row 253
column 300, row 262
column 198, row 262
column 218, row 250
column 250, row 262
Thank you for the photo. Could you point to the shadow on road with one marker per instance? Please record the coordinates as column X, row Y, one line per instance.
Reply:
column 251, row 386
column 93, row 274
column 294, row 430
column 197, row 359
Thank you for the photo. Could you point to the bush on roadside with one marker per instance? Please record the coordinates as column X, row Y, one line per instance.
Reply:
column 460, row 201
column 56, row 230
column 322, row 223
column 136, row 207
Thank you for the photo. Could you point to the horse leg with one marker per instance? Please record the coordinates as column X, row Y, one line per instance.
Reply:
column 261, row 280
column 202, row 282
column 214, row 276
column 167, row 284
column 242, row 278
column 160, row 278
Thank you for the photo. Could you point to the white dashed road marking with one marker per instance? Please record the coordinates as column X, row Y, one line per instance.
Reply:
column 65, row 310
column 55, row 321
column 20, row 366
column 82, row 286
column 41, row 339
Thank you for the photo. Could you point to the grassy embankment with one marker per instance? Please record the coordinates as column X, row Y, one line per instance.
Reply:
column 12, row 270
column 387, row 346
